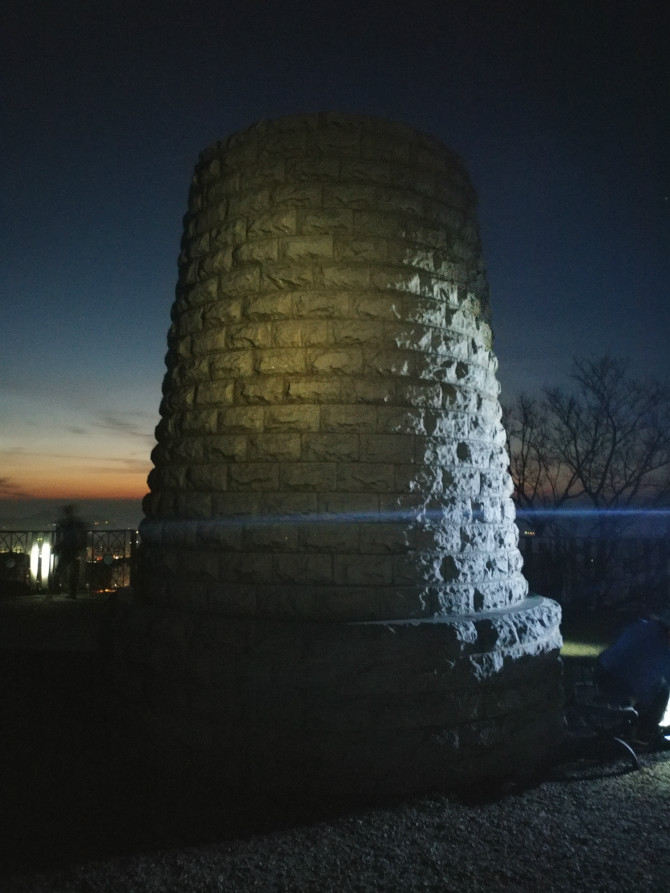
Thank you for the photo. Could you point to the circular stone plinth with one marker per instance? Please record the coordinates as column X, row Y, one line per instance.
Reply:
column 343, row 709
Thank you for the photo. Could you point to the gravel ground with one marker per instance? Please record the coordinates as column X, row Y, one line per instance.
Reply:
column 598, row 834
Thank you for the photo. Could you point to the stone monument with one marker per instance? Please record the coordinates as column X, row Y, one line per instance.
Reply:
column 329, row 594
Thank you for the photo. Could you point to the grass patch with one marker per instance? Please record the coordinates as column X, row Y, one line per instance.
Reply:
column 576, row 648
column 586, row 635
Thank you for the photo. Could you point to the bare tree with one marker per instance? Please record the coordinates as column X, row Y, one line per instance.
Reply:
column 605, row 443
column 541, row 480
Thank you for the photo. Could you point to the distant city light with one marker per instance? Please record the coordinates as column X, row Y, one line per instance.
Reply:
column 34, row 561
column 45, row 568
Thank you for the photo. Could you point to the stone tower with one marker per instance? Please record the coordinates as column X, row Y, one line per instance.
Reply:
column 330, row 593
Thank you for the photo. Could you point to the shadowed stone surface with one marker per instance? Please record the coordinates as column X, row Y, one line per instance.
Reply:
column 330, row 586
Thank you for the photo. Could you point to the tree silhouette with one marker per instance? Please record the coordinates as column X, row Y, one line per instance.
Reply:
column 603, row 445
column 606, row 442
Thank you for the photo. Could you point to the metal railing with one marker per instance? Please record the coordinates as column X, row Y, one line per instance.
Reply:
column 28, row 564
column 591, row 573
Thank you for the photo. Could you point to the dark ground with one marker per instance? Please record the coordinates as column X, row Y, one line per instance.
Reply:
column 70, row 803
column 67, row 794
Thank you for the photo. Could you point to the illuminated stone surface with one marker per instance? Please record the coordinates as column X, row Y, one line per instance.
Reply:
column 330, row 585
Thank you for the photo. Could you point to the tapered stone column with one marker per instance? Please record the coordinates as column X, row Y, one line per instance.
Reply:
column 330, row 592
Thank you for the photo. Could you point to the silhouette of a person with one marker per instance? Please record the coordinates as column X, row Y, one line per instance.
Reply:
column 69, row 544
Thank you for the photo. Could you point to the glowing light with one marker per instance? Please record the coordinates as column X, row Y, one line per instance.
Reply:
column 45, row 568
column 398, row 516
column 34, row 562
column 403, row 516
column 595, row 513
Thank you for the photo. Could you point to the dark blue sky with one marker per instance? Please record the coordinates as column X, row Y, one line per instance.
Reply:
column 561, row 111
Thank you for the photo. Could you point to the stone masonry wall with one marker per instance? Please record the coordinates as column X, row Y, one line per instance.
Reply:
column 330, row 381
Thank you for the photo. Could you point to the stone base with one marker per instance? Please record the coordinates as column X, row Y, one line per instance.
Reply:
column 344, row 709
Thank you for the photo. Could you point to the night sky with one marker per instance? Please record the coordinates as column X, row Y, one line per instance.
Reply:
column 561, row 111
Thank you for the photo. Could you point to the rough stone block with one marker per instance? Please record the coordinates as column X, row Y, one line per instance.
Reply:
column 357, row 331
column 425, row 311
column 349, row 419
column 374, row 306
column 301, row 333
column 286, row 276
column 307, row 248
column 315, row 476
column 234, row 504
column 367, row 390
column 273, row 538
column 207, row 341
column 422, row 479
column 245, row 567
column 314, row 390
column 397, row 279
column 262, row 251
column 397, row 448
column 330, row 447
column 362, row 171
column 331, row 221
column 220, row 534
column 334, row 361
column 363, row 570
column 272, row 306
column 279, row 221
column 281, row 601
column 297, row 195
column 275, row 447
column 296, row 418
column 400, row 420
column 352, row 196
column 249, row 335
column 304, row 569
column 240, row 420
column 189, row 321
column 289, row 505
column 254, row 200
column 334, row 537
column 203, row 421
column 345, row 276
column 389, row 363
column 273, row 361
column 386, row 538
column 253, row 476
column 239, row 283
column 313, row 169
column 348, row 507
column 419, row 394
column 330, row 304
column 219, row 392
column 218, row 313
column 360, row 250
column 269, row 390
column 223, row 448
column 364, row 477
column 231, row 364
column 210, row 478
